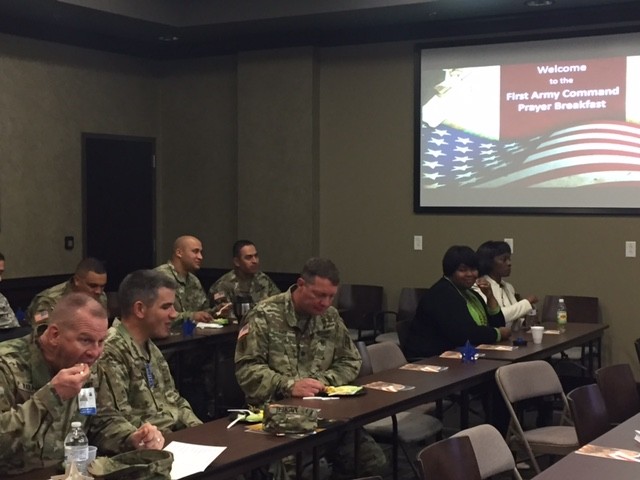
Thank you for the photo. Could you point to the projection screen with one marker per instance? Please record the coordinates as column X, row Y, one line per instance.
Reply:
column 534, row 127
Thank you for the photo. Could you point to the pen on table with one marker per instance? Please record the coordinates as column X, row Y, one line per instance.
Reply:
column 320, row 398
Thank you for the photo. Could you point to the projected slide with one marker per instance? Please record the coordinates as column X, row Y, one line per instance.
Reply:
column 547, row 134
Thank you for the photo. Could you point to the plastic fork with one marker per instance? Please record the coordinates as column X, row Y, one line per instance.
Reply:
column 242, row 414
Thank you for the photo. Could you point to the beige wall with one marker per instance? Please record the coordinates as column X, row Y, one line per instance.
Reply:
column 277, row 155
column 49, row 95
column 197, row 159
column 333, row 132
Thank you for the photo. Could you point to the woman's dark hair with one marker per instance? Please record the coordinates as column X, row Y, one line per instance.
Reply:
column 487, row 252
column 458, row 255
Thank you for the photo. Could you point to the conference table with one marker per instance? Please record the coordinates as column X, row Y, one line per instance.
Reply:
column 212, row 345
column 179, row 342
column 589, row 467
column 246, row 451
column 576, row 334
column 427, row 387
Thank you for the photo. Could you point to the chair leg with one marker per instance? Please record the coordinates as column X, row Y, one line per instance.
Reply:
column 412, row 464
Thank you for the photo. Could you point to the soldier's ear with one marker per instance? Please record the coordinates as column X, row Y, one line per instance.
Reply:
column 139, row 309
column 53, row 332
column 300, row 282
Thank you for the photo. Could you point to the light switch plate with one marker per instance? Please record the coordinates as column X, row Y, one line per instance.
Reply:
column 630, row 249
column 417, row 242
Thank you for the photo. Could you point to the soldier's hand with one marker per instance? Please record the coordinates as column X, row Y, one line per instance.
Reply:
column 147, row 437
column 202, row 317
column 68, row 381
column 307, row 387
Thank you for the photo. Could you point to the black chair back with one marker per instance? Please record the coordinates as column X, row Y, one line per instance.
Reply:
column 450, row 459
column 360, row 307
column 619, row 391
column 589, row 413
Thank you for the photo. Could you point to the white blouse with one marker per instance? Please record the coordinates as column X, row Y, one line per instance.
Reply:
column 506, row 297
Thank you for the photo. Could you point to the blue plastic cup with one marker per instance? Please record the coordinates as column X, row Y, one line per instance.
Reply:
column 188, row 327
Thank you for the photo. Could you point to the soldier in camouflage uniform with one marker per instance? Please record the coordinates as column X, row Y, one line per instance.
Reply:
column 7, row 317
column 245, row 278
column 294, row 345
column 191, row 301
column 140, row 387
column 90, row 277
column 40, row 379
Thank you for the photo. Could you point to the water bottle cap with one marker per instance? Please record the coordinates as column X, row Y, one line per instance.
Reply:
column 76, row 424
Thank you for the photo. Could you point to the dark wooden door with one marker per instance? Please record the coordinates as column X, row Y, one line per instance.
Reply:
column 119, row 203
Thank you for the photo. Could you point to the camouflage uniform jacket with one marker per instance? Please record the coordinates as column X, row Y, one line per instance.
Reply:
column 230, row 285
column 275, row 349
column 47, row 299
column 7, row 317
column 190, row 296
column 33, row 421
column 139, row 389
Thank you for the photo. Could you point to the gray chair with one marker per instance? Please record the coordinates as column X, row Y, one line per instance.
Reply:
column 365, row 367
column 589, row 413
column 525, row 380
column 411, row 426
column 619, row 391
column 449, row 459
column 492, row 453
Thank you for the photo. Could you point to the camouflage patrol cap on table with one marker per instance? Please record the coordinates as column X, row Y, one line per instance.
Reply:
column 282, row 419
column 134, row 465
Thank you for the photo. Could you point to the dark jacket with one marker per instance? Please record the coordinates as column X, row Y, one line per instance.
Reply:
column 443, row 322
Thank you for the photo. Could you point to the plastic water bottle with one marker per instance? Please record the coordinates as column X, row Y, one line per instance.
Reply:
column 76, row 448
column 561, row 315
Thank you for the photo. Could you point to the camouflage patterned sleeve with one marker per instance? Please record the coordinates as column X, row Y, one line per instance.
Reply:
column 272, row 288
column 126, row 401
column 221, row 286
column 255, row 376
column 39, row 304
column 24, row 423
column 112, row 425
column 346, row 358
column 7, row 317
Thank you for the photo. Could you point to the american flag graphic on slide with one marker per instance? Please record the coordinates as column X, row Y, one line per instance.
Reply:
column 583, row 155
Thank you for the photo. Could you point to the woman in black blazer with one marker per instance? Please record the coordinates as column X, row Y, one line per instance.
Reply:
column 451, row 313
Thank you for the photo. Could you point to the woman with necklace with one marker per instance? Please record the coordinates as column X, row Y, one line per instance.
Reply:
column 494, row 264
column 451, row 313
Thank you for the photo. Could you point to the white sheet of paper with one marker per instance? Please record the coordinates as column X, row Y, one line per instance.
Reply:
column 208, row 325
column 189, row 458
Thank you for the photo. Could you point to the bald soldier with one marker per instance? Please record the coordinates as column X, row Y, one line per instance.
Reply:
column 191, row 300
column 90, row 277
column 42, row 379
